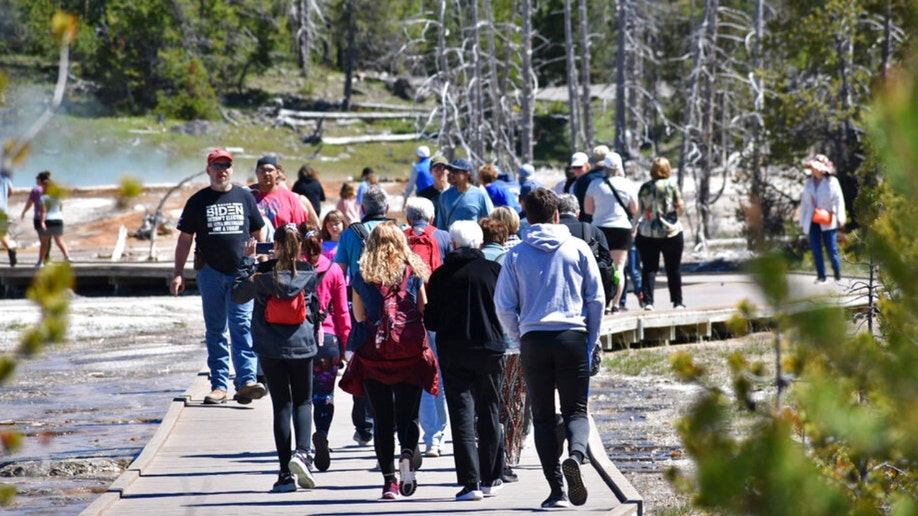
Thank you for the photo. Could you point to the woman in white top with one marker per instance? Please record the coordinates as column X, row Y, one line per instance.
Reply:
column 822, row 191
column 50, row 223
column 612, row 212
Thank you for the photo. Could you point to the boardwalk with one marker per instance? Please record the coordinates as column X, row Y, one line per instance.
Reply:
column 221, row 460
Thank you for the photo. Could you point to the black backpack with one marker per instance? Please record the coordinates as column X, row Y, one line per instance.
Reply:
column 607, row 271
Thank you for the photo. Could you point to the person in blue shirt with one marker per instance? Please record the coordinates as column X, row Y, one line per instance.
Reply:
column 420, row 173
column 463, row 200
column 497, row 190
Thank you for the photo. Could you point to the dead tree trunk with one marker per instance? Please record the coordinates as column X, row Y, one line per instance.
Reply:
column 527, row 100
column 620, row 105
column 350, row 54
column 571, row 77
column 585, row 74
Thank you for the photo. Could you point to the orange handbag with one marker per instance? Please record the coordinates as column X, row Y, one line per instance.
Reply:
column 821, row 216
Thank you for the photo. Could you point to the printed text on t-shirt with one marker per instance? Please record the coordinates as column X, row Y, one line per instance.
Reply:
column 225, row 219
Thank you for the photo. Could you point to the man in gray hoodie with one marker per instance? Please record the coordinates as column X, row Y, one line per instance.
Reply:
column 550, row 299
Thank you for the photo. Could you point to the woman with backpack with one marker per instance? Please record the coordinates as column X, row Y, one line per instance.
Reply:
column 660, row 232
column 285, row 342
column 611, row 201
column 335, row 327
column 392, row 362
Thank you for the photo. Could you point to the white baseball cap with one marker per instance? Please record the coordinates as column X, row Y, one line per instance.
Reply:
column 423, row 151
column 579, row 159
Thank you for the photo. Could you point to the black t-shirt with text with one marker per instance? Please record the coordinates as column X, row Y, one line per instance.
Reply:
column 221, row 222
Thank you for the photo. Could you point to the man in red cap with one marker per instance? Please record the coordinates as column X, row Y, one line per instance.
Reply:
column 220, row 219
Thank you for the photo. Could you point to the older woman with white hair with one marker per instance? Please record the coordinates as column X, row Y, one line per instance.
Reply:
column 471, row 347
column 822, row 212
column 611, row 201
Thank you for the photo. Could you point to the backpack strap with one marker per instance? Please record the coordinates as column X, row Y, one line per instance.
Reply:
column 361, row 231
column 619, row 199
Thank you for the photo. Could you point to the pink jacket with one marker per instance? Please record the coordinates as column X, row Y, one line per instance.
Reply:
column 332, row 292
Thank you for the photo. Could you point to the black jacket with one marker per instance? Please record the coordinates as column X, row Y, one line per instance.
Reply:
column 256, row 281
column 460, row 304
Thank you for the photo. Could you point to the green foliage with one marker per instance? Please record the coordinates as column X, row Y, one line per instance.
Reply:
column 846, row 443
column 194, row 97
column 129, row 188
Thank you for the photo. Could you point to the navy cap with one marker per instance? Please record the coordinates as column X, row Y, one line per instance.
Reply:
column 461, row 164
column 267, row 160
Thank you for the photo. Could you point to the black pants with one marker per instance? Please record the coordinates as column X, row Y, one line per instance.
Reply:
column 557, row 360
column 671, row 248
column 290, row 385
column 471, row 383
column 393, row 405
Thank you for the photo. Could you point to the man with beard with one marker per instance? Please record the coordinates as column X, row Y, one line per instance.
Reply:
column 220, row 219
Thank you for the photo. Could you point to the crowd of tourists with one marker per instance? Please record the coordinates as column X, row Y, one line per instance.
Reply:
column 436, row 321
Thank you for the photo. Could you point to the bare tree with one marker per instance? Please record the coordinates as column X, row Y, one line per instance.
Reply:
column 571, row 77
column 527, row 102
column 586, row 102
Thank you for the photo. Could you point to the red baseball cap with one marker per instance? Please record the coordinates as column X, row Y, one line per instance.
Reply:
column 219, row 155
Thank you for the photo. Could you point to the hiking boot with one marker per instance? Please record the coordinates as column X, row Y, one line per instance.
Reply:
column 469, row 493
column 491, row 488
column 323, row 460
column 215, row 397
column 286, row 483
column 301, row 466
column 250, row 391
column 13, row 260
column 576, row 489
column 556, row 500
column 406, row 470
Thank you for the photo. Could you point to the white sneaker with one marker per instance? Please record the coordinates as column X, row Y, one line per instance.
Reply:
column 491, row 490
column 648, row 308
column 301, row 467
column 432, row 451
column 469, row 494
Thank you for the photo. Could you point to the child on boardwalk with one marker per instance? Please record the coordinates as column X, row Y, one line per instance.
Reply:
column 335, row 327
column 285, row 344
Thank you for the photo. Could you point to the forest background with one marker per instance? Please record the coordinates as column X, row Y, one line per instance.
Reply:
column 728, row 90
column 738, row 89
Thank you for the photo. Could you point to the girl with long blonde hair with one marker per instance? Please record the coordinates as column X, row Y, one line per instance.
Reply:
column 391, row 384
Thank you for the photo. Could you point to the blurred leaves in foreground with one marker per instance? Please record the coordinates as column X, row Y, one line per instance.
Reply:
column 845, row 441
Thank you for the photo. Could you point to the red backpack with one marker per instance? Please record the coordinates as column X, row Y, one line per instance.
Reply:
column 426, row 246
column 400, row 331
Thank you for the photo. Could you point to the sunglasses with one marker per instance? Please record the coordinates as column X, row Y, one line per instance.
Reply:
column 457, row 171
column 221, row 164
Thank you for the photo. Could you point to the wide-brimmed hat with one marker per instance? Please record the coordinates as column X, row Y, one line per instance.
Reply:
column 821, row 163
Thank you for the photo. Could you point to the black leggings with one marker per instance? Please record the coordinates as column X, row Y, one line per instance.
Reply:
column 290, row 385
column 394, row 406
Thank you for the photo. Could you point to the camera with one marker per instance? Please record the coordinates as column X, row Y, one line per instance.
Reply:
column 264, row 247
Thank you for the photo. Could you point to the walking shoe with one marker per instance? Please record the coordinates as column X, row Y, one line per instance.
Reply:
column 301, row 466
column 576, row 489
column 432, row 451
column 648, row 308
column 408, row 483
column 250, row 391
column 819, row 280
column 361, row 441
column 491, row 489
column 215, row 397
column 556, row 500
column 323, row 460
column 678, row 306
column 469, row 493
column 509, row 476
column 286, row 483
column 390, row 489
column 13, row 260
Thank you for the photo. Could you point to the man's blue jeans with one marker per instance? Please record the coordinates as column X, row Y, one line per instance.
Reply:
column 829, row 239
column 220, row 314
